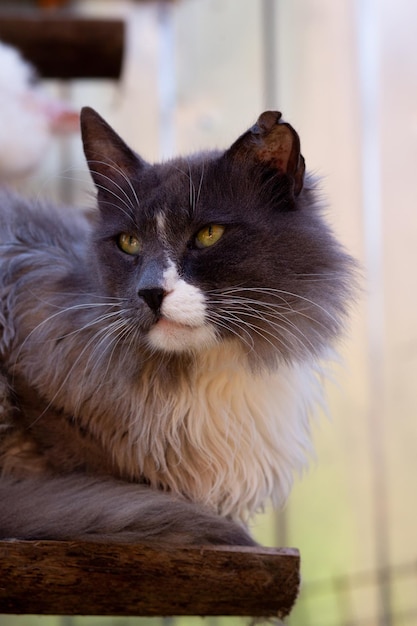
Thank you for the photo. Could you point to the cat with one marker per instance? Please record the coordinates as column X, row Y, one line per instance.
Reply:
column 160, row 357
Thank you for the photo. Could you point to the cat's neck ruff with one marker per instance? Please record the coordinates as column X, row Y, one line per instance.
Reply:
column 229, row 438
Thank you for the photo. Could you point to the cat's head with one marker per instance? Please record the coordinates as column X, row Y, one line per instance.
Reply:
column 218, row 246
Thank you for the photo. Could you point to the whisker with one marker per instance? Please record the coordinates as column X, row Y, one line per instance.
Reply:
column 60, row 312
column 192, row 188
column 87, row 294
column 220, row 318
column 107, row 190
column 118, row 171
column 251, row 302
column 201, row 183
column 279, row 293
column 284, row 327
column 98, row 320
column 126, row 178
column 191, row 200
column 261, row 332
column 112, row 337
column 106, row 331
column 278, row 310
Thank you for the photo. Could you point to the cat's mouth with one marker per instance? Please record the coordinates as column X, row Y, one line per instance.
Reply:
column 164, row 324
column 171, row 336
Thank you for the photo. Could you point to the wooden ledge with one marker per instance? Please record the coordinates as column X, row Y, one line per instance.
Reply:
column 77, row 578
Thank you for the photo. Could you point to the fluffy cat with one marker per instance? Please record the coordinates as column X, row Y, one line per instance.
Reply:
column 160, row 356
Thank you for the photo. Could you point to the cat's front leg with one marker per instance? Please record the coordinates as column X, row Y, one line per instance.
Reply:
column 79, row 507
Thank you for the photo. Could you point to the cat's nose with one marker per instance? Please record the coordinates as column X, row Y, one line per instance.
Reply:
column 153, row 297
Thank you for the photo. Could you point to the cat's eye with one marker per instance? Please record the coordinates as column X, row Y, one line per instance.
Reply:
column 129, row 243
column 209, row 235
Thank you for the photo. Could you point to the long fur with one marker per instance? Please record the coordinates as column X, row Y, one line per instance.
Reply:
column 225, row 436
column 120, row 420
column 94, row 509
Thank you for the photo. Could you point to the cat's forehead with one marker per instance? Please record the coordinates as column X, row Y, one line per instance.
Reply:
column 178, row 184
column 187, row 173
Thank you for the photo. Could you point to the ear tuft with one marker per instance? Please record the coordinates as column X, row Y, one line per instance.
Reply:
column 275, row 144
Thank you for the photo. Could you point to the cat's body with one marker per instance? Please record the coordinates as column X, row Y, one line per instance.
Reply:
column 160, row 360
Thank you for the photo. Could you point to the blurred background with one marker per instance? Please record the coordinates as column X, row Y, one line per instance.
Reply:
column 195, row 74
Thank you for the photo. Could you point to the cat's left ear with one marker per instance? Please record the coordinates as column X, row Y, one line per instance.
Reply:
column 275, row 144
column 109, row 158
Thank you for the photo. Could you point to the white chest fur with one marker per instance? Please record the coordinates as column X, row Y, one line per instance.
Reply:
column 231, row 439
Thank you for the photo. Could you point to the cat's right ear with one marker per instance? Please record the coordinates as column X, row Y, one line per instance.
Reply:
column 108, row 157
column 274, row 144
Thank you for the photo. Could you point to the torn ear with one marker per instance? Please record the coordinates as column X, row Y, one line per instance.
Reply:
column 275, row 144
column 107, row 155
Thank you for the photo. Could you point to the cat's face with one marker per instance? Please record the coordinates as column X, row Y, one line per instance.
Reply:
column 218, row 246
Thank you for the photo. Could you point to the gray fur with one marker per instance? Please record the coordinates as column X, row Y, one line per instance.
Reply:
column 91, row 509
column 97, row 423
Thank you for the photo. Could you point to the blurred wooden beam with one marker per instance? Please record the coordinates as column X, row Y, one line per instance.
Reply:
column 78, row 578
column 62, row 46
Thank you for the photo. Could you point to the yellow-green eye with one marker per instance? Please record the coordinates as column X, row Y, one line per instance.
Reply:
column 209, row 235
column 129, row 243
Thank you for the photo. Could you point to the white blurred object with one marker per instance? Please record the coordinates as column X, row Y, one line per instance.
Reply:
column 28, row 116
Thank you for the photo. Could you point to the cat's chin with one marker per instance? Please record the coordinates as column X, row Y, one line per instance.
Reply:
column 170, row 336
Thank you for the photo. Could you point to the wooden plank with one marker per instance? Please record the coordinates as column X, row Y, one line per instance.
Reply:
column 79, row 578
column 63, row 46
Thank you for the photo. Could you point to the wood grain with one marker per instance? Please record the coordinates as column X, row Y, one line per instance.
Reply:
column 70, row 578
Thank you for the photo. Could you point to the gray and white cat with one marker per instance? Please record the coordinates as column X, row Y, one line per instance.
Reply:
column 159, row 358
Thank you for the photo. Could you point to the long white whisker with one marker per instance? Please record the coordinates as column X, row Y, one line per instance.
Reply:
column 127, row 179
column 220, row 319
column 191, row 185
column 283, row 327
column 261, row 332
column 63, row 311
column 112, row 336
column 67, row 377
column 113, row 182
column 279, row 293
column 192, row 188
column 200, row 184
column 278, row 310
column 107, row 190
column 94, row 322
column 250, row 302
